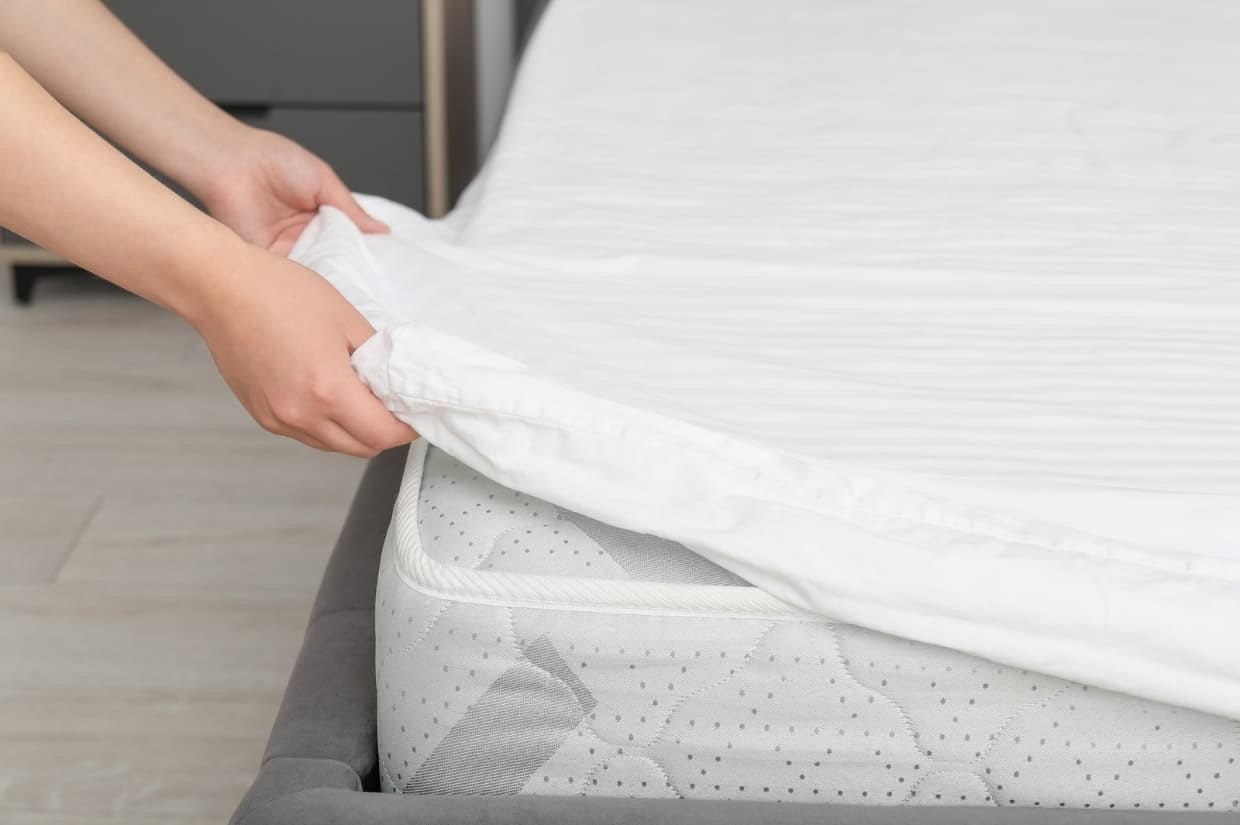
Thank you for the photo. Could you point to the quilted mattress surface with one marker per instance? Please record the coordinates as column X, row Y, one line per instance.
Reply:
column 922, row 317
column 489, row 685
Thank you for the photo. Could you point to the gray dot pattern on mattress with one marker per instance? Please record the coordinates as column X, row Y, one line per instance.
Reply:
column 650, row 558
column 469, row 521
column 490, row 699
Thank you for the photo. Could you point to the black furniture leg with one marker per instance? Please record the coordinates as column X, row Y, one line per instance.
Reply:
column 23, row 284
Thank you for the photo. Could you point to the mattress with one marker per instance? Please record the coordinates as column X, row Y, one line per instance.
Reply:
column 919, row 317
column 526, row 649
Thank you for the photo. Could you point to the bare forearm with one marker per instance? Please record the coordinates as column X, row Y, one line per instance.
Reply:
column 65, row 188
column 279, row 333
column 99, row 70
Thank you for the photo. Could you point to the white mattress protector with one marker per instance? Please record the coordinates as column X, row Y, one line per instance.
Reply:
column 923, row 317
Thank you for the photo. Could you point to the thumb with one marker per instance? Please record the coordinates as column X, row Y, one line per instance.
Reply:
column 335, row 193
column 357, row 330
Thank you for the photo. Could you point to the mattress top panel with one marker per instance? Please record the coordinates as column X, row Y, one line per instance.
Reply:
column 466, row 520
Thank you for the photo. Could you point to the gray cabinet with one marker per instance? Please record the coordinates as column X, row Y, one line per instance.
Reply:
column 272, row 52
column 374, row 151
column 342, row 77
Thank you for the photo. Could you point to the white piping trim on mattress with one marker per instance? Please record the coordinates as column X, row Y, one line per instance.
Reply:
column 419, row 571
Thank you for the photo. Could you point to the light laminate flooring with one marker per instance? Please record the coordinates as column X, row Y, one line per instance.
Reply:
column 158, row 556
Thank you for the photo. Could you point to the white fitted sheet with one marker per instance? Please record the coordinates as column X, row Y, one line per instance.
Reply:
column 923, row 317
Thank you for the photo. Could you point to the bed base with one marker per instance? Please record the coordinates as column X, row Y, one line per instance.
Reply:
column 320, row 765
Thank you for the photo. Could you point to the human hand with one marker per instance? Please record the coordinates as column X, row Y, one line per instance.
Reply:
column 270, row 188
column 281, row 336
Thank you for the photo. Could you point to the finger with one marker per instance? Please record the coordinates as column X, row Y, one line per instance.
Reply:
column 287, row 236
column 335, row 193
column 357, row 330
column 365, row 418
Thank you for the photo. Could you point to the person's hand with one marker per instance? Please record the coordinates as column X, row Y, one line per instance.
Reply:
column 270, row 188
column 281, row 337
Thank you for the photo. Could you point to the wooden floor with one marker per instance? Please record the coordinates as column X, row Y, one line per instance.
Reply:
column 158, row 554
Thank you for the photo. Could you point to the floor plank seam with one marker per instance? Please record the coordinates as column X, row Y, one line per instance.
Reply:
column 78, row 535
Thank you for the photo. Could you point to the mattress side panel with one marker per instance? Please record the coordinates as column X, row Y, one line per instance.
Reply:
column 519, row 701
column 482, row 698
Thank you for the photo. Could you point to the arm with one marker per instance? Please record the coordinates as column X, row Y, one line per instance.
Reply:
column 265, row 187
column 280, row 335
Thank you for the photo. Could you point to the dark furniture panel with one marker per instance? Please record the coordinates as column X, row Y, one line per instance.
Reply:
column 351, row 52
column 376, row 152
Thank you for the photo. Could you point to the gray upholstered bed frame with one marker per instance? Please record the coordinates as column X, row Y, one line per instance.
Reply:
column 319, row 767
